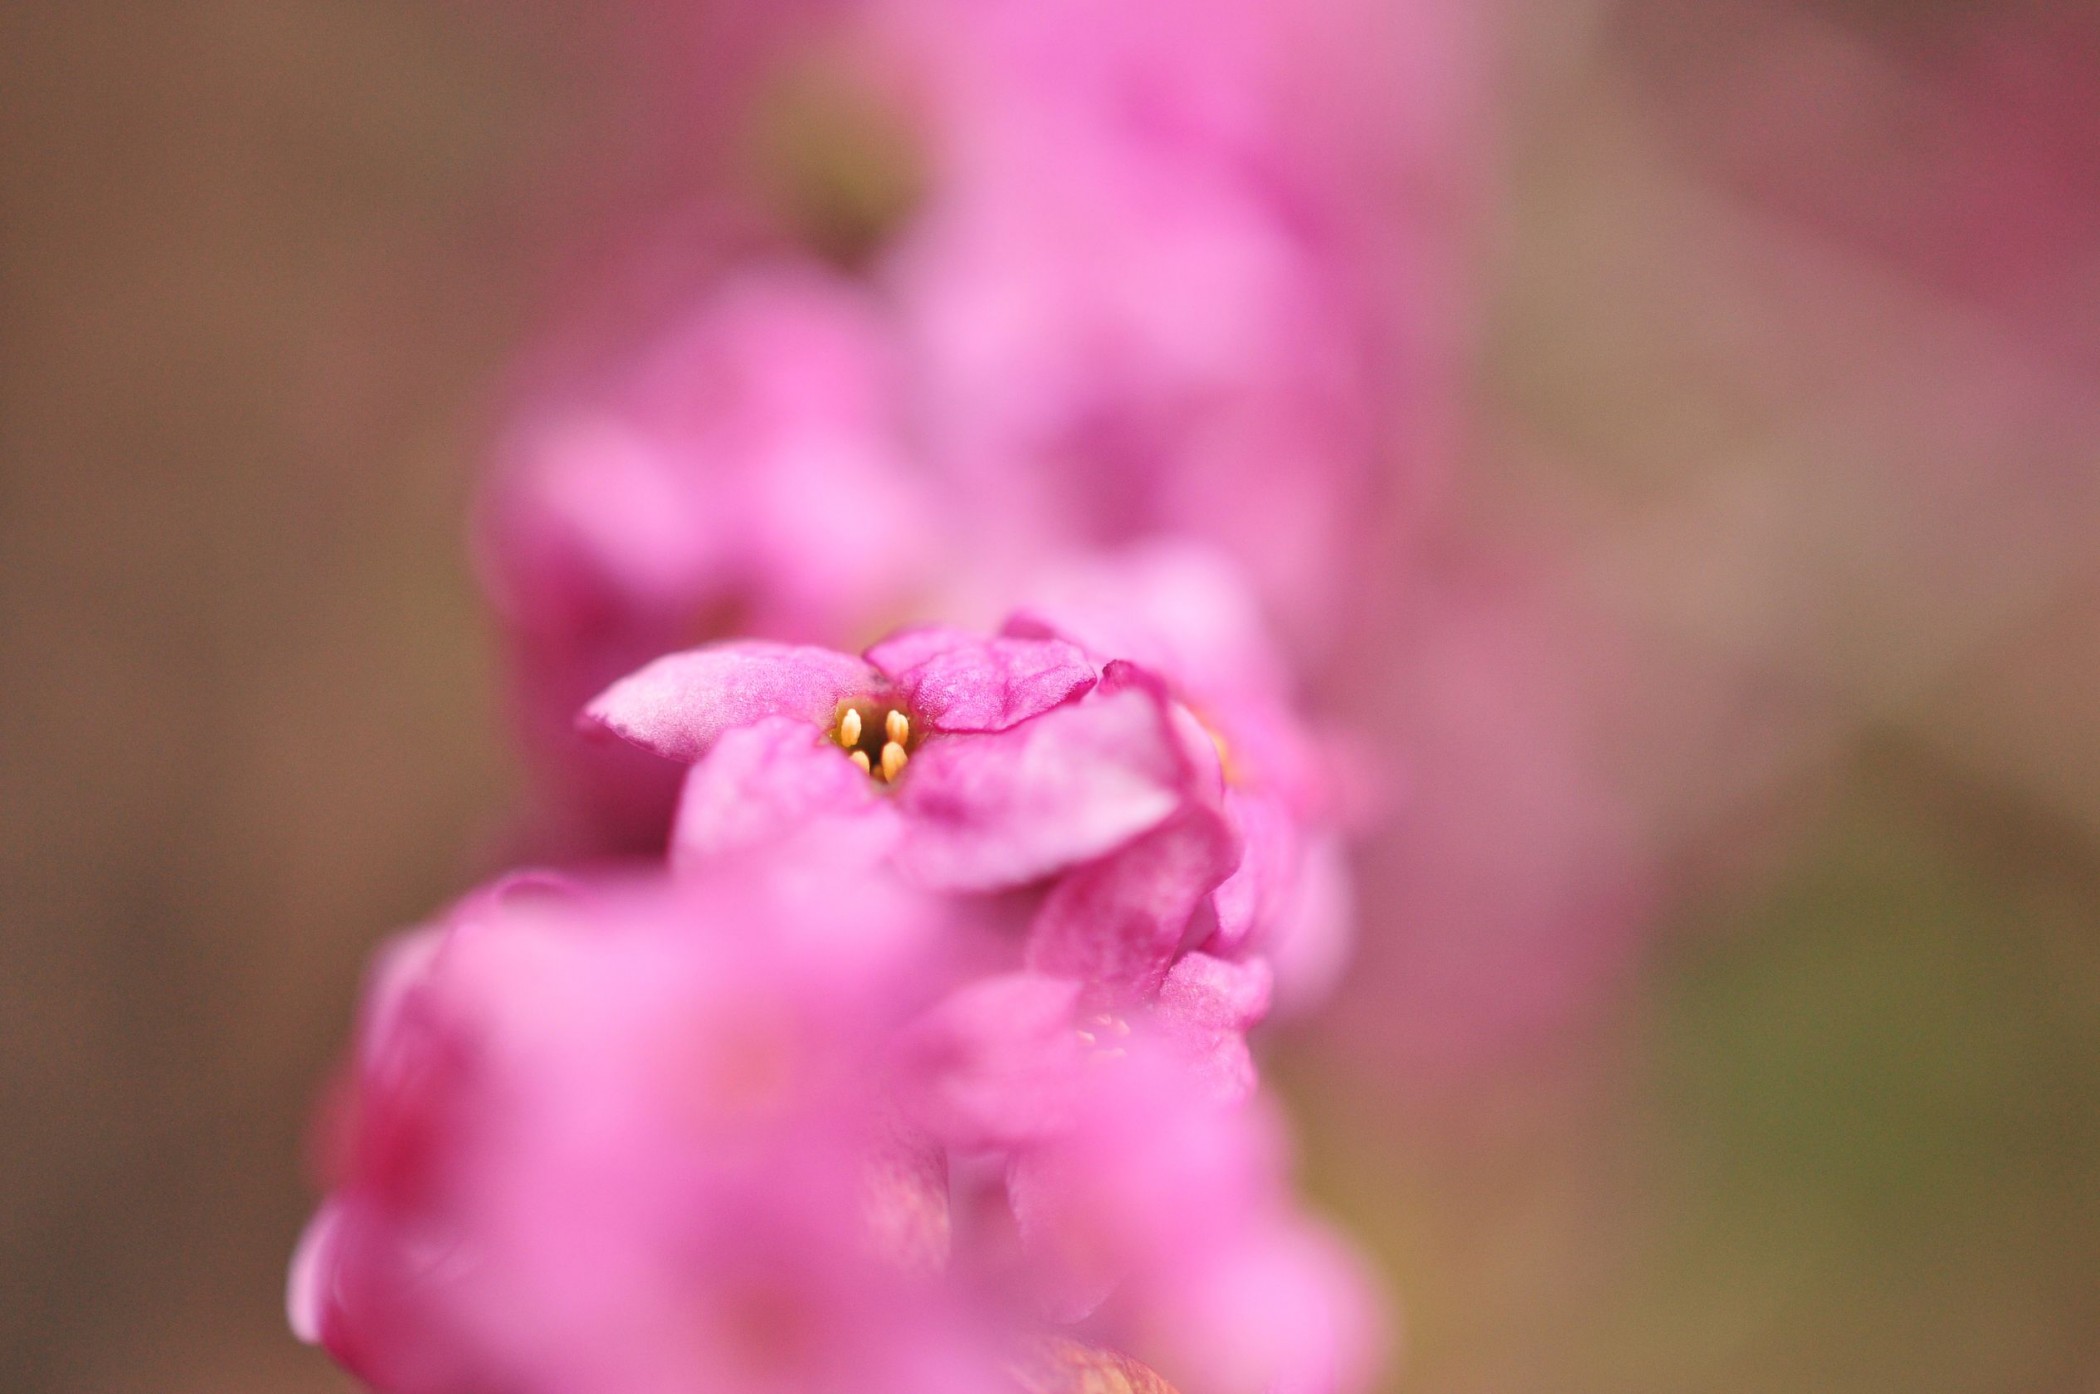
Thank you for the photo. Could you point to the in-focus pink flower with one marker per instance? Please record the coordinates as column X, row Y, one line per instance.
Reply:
column 742, row 469
column 976, row 763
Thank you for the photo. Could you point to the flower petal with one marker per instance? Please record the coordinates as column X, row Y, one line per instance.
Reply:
column 774, row 780
column 1119, row 921
column 1005, row 808
column 680, row 705
column 994, row 1064
column 1208, row 1006
column 958, row 681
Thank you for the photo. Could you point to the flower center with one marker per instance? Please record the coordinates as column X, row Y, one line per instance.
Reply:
column 877, row 736
column 1101, row 1035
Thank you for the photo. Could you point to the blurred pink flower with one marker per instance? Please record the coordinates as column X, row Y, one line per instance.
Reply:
column 689, row 1133
column 1155, row 1213
column 1125, row 303
column 741, row 469
column 627, row 1138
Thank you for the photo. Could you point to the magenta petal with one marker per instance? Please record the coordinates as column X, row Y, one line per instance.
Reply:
column 1120, row 921
column 775, row 779
column 1009, row 807
column 678, row 706
column 957, row 681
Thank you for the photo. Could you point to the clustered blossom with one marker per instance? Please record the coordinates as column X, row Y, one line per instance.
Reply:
column 904, row 616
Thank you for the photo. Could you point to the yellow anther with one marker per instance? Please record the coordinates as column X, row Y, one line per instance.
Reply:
column 849, row 728
column 897, row 726
column 893, row 758
column 860, row 758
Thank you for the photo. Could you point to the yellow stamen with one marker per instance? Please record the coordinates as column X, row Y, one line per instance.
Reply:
column 897, row 726
column 893, row 758
column 860, row 758
column 849, row 728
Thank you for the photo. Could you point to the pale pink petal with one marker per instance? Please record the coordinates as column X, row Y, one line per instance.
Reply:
column 308, row 1292
column 1308, row 948
column 1178, row 608
column 680, row 705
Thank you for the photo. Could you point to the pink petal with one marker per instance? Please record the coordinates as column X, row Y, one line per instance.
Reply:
column 1120, row 920
column 1009, row 807
column 1251, row 897
column 1208, row 1006
column 775, row 779
column 309, row 1291
column 680, row 705
column 994, row 1064
column 958, row 681
column 1203, row 993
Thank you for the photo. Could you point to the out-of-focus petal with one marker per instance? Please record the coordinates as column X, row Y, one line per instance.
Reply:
column 1309, row 941
column 905, row 1197
column 313, row 1266
column 1057, row 1365
column 958, row 681
column 1287, row 1311
column 992, row 1066
column 1176, row 608
column 678, row 706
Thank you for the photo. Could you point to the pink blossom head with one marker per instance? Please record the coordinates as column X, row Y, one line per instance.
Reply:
column 974, row 763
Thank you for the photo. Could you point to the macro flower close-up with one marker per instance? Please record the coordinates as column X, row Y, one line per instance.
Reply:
column 1049, row 697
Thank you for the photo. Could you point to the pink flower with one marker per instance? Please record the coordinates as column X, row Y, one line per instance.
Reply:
column 1182, row 613
column 977, row 763
column 629, row 1139
column 657, row 1136
column 741, row 469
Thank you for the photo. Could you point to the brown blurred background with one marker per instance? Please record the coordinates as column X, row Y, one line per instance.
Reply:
column 1838, row 1131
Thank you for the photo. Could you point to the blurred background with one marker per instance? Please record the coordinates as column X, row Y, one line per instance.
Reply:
column 1728, row 1013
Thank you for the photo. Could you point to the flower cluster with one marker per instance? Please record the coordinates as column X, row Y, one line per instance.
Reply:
column 909, row 1050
